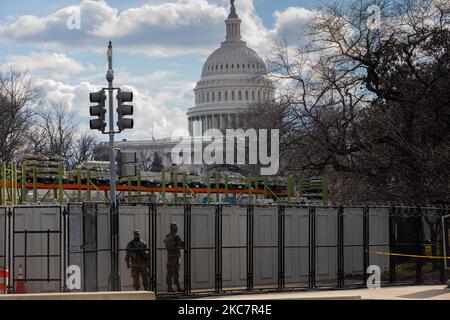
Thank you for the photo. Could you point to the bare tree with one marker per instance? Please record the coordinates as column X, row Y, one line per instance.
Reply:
column 370, row 106
column 55, row 132
column 19, row 96
column 82, row 150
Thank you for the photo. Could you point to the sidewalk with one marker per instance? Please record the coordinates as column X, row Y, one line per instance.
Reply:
column 430, row 292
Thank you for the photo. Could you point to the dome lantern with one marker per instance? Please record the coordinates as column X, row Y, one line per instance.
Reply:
column 233, row 24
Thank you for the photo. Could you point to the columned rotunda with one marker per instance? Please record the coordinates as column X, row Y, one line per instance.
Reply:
column 233, row 77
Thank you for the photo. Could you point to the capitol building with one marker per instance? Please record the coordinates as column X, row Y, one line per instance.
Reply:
column 233, row 78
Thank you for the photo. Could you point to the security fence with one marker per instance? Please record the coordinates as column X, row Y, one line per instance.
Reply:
column 227, row 248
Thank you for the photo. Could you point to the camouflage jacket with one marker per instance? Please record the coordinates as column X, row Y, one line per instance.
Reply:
column 137, row 252
column 174, row 245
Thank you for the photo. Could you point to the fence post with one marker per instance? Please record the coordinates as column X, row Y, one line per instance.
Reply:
column 312, row 247
column 60, row 184
column 250, row 247
column 187, row 249
column 65, row 246
column 366, row 243
column 392, row 212
column 419, row 239
column 152, row 208
column 340, row 246
column 281, row 247
column 10, row 253
column 218, row 248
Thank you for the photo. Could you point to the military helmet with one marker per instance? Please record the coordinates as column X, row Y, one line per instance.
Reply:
column 173, row 227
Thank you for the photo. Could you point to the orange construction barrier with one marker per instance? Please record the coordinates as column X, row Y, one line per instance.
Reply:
column 4, row 280
column 20, row 283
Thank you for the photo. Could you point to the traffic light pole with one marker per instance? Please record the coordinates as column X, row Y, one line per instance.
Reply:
column 123, row 110
column 114, row 219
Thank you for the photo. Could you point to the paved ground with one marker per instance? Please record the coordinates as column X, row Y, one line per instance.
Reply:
column 434, row 292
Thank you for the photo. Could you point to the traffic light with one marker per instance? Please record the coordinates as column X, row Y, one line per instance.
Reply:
column 126, row 164
column 124, row 110
column 98, row 111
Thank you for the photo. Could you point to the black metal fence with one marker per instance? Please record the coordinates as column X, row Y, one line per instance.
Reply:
column 227, row 248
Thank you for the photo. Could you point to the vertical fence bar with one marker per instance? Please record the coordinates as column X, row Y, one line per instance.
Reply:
column 281, row 247
column 312, row 247
column 392, row 212
column 68, row 238
column 2, row 192
column 10, row 266
column 366, row 243
column 14, row 183
column 5, row 252
column 48, row 255
column 250, row 211
column 340, row 246
column 60, row 184
column 218, row 248
column 153, row 246
column 187, row 250
column 25, row 255
column 418, row 216
column 64, row 232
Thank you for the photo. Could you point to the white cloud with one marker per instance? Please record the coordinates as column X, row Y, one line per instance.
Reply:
column 58, row 64
column 163, row 29
column 292, row 24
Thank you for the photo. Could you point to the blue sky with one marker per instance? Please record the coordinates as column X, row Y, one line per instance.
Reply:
column 159, row 48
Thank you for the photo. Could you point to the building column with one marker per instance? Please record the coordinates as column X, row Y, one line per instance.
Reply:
column 203, row 125
column 216, row 121
column 229, row 122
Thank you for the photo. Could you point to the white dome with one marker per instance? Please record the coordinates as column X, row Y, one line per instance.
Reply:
column 233, row 78
column 234, row 57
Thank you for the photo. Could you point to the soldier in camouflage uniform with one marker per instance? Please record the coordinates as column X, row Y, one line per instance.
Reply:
column 174, row 245
column 137, row 254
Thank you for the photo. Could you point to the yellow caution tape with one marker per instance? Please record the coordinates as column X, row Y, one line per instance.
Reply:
column 407, row 255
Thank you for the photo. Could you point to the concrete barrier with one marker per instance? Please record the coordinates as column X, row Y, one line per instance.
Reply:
column 141, row 295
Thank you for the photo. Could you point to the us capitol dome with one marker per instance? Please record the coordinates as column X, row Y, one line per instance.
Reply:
column 233, row 78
